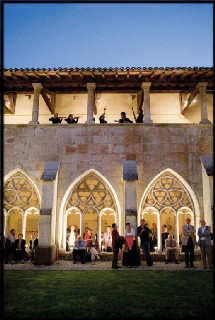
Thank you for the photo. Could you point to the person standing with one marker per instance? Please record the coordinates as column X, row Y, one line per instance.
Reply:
column 139, row 118
column 10, row 246
column 33, row 244
column 116, row 238
column 72, row 119
column 124, row 119
column 131, row 257
column 56, row 119
column 144, row 233
column 188, row 243
column 107, row 237
column 71, row 238
column 153, row 238
column 205, row 244
column 102, row 117
column 164, row 236
column 20, row 252
column 87, row 236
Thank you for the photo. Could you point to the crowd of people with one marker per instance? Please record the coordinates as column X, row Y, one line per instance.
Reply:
column 123, row 247
column 15, row 249
column 56, row 119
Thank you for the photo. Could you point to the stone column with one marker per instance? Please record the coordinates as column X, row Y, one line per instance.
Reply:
column 204, row 113
column 90, row 102
column 130, row 188
column 35, row 112
column 147, row 116
column 24, row 220
column 46, row 250
column 6, row 225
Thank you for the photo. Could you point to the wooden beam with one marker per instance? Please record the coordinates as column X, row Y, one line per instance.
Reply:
column 173, row 76
column 95, row 109
column 163, row 74
column 33, row 74
column 47, row 101
column 53, row 74
column 186, row 103
column 53, row 99
column 140, row 75
column 9, row 104
column 44, row 74
column 14, row 76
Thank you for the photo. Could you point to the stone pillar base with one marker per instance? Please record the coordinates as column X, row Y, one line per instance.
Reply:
column 205, row 121
column 90, row 121
column 33, row 122
column 147, row 121
column 45, row 255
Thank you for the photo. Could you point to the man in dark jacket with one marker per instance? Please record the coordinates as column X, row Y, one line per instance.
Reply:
column 144, row 233
column 117, row 242
column 124, row 119
column 33, row 244
column 20, row 252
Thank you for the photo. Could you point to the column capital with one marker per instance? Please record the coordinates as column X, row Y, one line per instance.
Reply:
column 202, row 85
column 146, row 85
column 37, row 86
column 91, row 86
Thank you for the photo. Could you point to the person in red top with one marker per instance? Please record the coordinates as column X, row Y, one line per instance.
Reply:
column 87, row 236
column 115, row 245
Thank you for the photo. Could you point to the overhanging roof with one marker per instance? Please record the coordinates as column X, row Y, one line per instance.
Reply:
column 120, row 80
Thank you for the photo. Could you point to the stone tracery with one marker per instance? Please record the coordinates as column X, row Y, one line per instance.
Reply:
column 20, row 193
column 91, row 195
column 168, row 191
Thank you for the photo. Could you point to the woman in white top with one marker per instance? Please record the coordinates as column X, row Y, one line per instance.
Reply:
column 130, row 255
column 129, row 235
column 71, row 238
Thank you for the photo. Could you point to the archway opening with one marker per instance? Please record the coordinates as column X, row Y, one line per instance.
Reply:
column 15, row 220
column 32, row 224
column 91, row 195
column 168, row 193
column 20, row 196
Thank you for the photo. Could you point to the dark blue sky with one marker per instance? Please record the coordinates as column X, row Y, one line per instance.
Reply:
column 108, row 35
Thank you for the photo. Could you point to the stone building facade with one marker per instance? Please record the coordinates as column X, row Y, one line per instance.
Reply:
column 92, row 174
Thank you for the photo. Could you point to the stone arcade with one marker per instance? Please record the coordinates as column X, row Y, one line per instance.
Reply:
column 92, row 174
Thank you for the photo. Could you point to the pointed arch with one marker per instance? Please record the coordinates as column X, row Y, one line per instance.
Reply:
column 168, row 190
column 20, row 194
column 172, row 191
column 20, row 191
column 90, row 192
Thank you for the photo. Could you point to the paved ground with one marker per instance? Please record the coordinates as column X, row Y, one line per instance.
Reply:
column 101, row 265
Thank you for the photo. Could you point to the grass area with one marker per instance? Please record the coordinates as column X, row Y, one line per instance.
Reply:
column 108, row 294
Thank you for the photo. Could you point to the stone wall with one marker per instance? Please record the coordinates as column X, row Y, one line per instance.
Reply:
column 103, row 147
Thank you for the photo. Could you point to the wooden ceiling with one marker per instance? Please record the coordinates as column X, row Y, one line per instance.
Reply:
column 107, row 80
